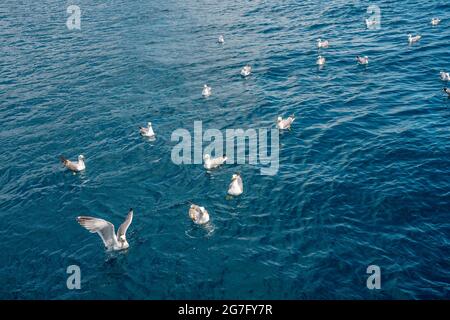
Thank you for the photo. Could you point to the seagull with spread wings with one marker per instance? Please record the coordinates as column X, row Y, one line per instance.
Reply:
column 105, row 230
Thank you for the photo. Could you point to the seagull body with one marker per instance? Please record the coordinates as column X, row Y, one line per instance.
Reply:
column 435, row 21
column 445, row 76
column 72, row 165
column 221, row 39
column 447, row 91
column 412, row 39
column 320, row 61
column 362, row 60
column 246, row 70
column 105, row 230
column 285, row 123
column 211, row 163
column 370, row 23
column 322, row 44
column 206, row 91
column 198, row 214
column 236, row 186
column 147, row 132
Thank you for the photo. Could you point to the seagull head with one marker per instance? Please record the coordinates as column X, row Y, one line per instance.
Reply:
column 279, row 119
column 123, row 242
column 81, row 157
column 207, row 157
column 149, row 124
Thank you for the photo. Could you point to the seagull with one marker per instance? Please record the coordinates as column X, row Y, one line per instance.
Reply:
column 211, row 163
column 221, row 39
column 74, row 166
column 445, row 76
column 362, row 60
column 198, row 214
column 147, row 132
column 245, row 71
column 236, row 186
column 285, row 123
column 412, row 39
column 447, row 91
column 105, row 230
column 370, row 23
column 435, row 21
column 320, row 61
column 322, row 44
column 206, row 91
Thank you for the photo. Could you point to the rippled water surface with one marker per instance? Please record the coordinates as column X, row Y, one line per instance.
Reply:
column 364, row 175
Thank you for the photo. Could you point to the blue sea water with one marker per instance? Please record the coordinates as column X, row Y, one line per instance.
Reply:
column 364, row 175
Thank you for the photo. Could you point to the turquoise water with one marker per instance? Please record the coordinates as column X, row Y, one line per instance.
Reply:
column 364, row 175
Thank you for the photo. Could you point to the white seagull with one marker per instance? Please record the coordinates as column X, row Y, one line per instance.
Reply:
column 445, row 76
column 236, row 186
column 147, row 132
column 246, row 70
column 447, row 91
column 221, row 39
column 198, row 214
column 285, row 123
column 435, row 21
column 362, row 60
column 370, row 23
column 105, row 230
column 206, row 92
column 72, row 165
column 211, row 163
column 320, row 61
column 412, row 39
column 322, row 44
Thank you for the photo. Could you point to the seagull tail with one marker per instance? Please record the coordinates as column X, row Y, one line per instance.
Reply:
column 63, row 159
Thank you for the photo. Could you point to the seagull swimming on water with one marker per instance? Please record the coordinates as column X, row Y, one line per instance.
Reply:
column 412, row 39
column 370, row 23
column 206, row 92
column 198, row 214
column 320, row 61
column 211, row 163
column 246, row 70
column 362, row 60
column 447, row 91
column 221, row 39
column 236, row 186
column 147, row 132
column 72, row 165
column 435, row 21
column 285, row 123
column 445, row 76
column 322, row 44
column 105, row 230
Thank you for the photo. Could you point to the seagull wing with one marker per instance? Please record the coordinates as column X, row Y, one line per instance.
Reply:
column 239, row 182
column 218, row 161
column 124, row 226
column 104, row 229
column 143, row 131
column 69, row 164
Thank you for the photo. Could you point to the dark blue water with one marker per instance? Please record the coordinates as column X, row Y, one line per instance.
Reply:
column 364, row 175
